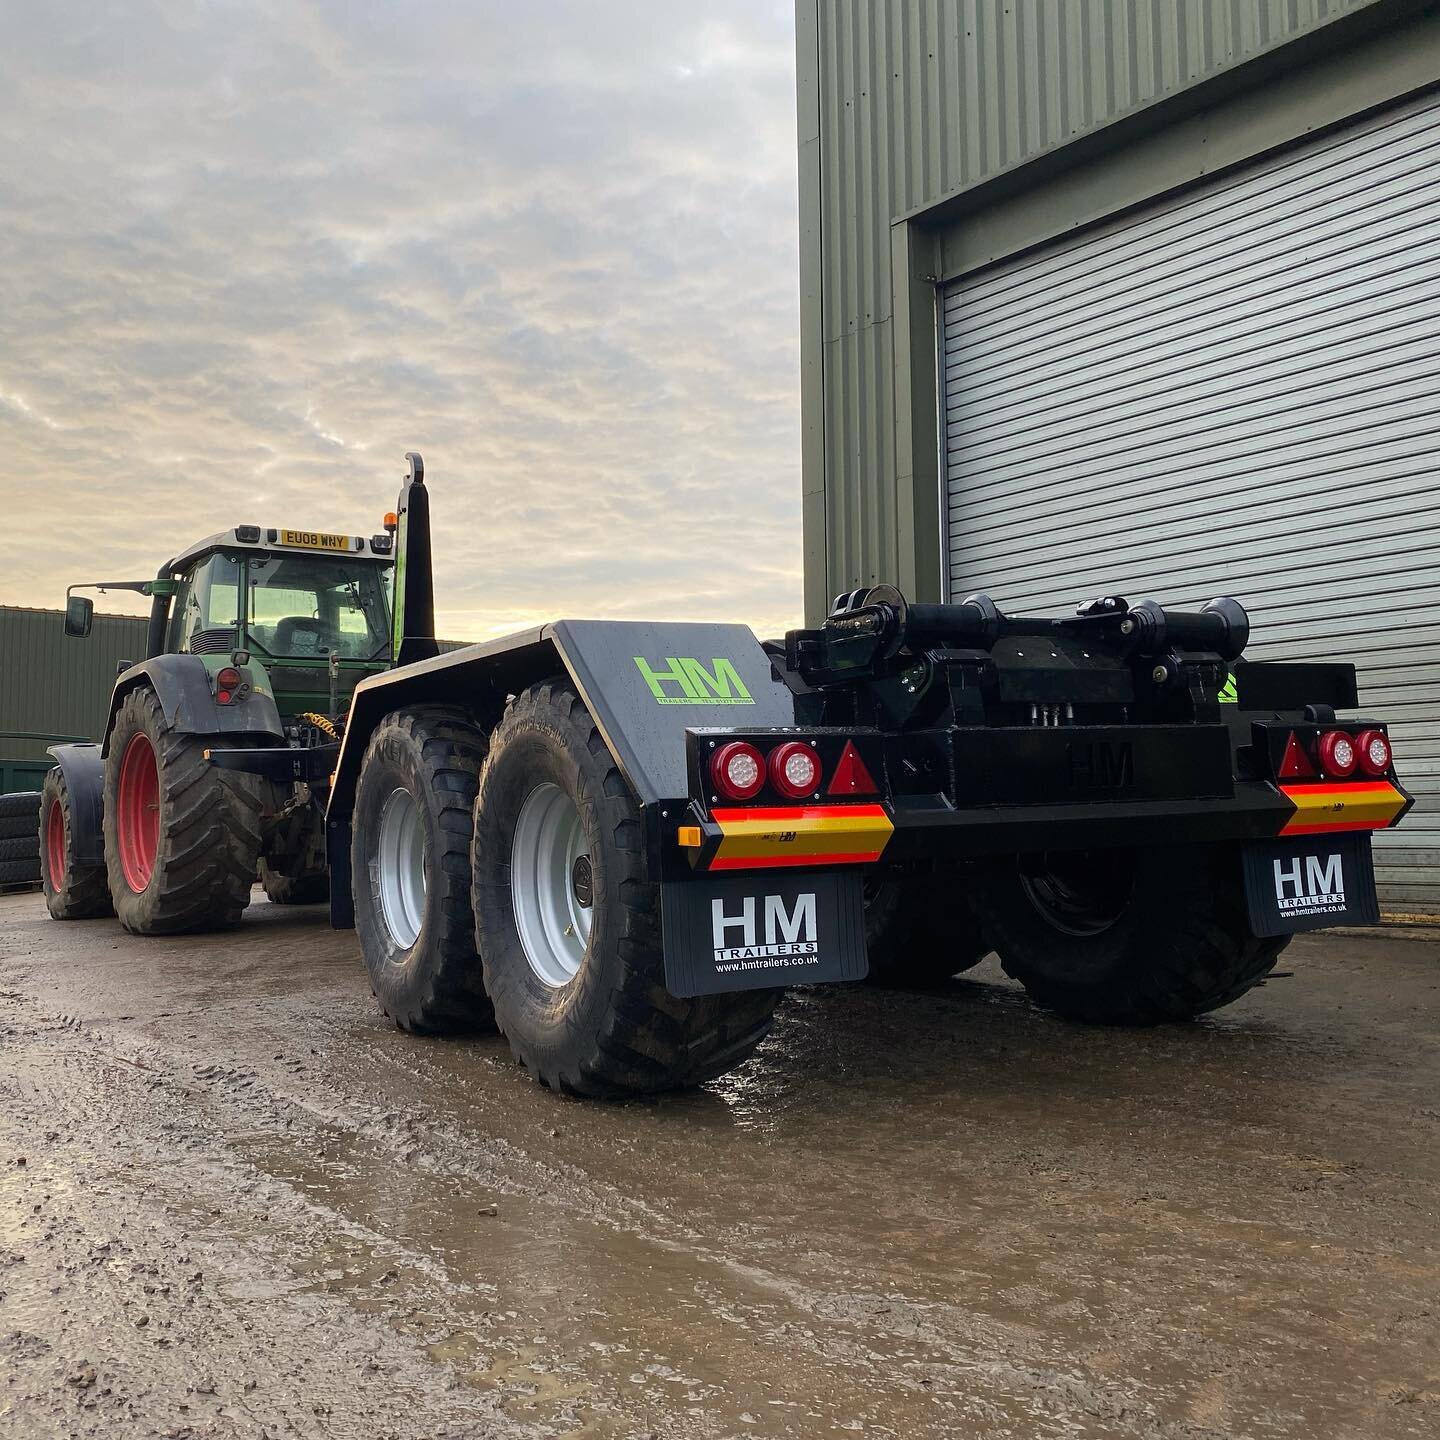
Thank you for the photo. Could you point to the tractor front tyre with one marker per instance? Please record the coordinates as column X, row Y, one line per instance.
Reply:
column 72, row 891
column 410, row 869
column 1125, row 937
column 283, row 888
column 568, row 919
column 919, row 931
column 182, row 837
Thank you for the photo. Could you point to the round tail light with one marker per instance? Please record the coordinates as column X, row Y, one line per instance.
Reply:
column 795, row 770
column 1338, row 755
column 738, row 770
column 1374, row 751
column 226, row 681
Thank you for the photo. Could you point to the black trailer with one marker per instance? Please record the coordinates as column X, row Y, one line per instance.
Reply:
column 620, row 842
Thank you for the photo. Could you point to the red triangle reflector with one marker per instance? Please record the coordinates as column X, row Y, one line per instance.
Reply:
column 851, row 777
column 1296, row 763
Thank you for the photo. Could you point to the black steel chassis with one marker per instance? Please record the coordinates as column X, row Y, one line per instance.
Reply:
column 984, row 735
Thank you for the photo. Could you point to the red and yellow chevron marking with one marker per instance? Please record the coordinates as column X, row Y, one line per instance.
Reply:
column 766, row 838
column 1350, row 805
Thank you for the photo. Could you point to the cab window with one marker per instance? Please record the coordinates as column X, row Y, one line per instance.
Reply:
column 302, row 607
column 204, row 610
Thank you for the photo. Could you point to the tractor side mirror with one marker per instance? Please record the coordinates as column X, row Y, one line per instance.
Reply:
column 79, row 616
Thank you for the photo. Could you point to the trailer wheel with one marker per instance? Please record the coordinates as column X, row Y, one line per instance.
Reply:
column 72, row 891
column 568, row 919
column 1126, row 937
column 182, row 836
column 410, row 869
column 284, row 888
column 919, row 931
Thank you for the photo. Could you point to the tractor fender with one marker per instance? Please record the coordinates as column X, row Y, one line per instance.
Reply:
column 645, row 684
column 182, row 685
column 84, row 770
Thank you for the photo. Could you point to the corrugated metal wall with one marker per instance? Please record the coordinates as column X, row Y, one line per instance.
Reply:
column 918, row 98
column 1232, row 391
column 53, row 686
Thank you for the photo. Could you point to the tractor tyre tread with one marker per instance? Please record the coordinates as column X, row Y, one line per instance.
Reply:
column 84, row 890
column 283, row 889
column 209, row 829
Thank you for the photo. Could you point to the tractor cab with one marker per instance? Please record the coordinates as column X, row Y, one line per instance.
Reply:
column 309, row 610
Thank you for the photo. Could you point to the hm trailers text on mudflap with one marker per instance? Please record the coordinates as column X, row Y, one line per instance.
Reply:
column 618, row 842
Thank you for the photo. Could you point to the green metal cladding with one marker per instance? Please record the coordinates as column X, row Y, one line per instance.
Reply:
column 53, row 688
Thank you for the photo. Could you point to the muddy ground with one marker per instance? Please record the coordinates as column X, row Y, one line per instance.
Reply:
column 235, row 1201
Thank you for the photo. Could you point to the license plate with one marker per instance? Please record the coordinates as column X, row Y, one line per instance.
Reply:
column 314, row 540
column 1310, row 882
column 758, row 930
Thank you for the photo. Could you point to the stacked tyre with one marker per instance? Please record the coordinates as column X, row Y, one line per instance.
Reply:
column 19, row 839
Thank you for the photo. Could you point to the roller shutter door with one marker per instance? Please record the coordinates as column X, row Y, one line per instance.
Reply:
column 1236, row 391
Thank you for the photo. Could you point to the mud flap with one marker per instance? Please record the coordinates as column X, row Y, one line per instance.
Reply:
column 1309, row 882
column 762, row 930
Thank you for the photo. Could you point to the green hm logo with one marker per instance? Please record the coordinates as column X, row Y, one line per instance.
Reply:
column 692, row 684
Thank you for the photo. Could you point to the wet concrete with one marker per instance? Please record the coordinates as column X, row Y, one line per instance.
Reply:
column 235, row 1201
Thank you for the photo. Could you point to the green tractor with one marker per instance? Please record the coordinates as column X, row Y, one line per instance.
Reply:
column 257, row 639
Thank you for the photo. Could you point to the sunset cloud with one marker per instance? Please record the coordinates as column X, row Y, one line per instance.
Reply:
column 252, row 253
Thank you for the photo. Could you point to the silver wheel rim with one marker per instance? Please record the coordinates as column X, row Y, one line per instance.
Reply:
column 554, row 926
column 400, row 876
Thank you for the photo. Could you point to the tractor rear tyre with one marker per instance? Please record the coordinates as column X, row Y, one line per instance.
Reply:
column 72, row 891
column 1126, row 937
column 182, row 837
column 410, row 869
column 919, row 931
column 282, row 888
column 568, row 919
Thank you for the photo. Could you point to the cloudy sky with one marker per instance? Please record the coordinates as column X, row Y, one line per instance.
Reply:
column 252, row 251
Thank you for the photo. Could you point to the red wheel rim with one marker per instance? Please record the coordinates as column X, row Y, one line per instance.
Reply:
column 137, row 818
column 55, row 844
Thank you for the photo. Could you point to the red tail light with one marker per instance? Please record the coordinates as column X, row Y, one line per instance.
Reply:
column 851, row 777
column 1374, row 752
column 1338, row 755
column 795, row 770
column 738, row 770
column 1296, row 764
column 226, row 682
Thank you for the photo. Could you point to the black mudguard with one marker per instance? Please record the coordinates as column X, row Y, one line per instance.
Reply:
column 645, row 683
column 83, row 767
column 182, row 685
